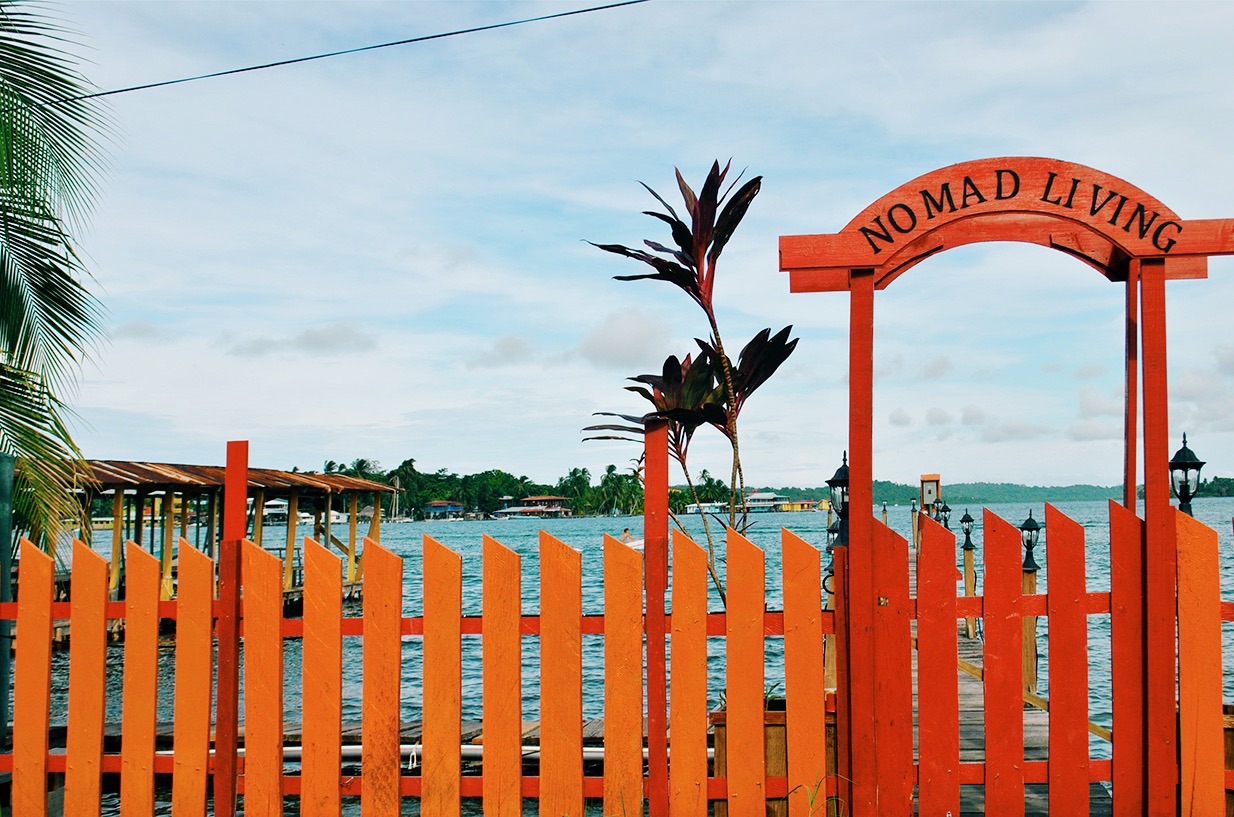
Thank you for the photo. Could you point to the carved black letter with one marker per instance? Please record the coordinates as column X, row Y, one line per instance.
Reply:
column 1015, row 179
column 912, row 218
column 936, row 204
column 882, row 234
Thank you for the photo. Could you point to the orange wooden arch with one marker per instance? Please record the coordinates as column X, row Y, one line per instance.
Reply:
column 1118, row 229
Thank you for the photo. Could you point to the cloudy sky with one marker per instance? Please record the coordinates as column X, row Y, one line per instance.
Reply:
column 383, row 255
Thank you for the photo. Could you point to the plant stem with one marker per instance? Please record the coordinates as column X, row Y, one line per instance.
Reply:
column 737, row 480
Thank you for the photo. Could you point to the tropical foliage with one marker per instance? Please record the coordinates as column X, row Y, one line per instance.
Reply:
column 706, row 389
column 49, row 164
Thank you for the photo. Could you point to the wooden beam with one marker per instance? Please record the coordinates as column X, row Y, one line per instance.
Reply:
column 289, row 554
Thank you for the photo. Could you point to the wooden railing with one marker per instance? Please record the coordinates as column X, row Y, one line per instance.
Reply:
column 559, row 781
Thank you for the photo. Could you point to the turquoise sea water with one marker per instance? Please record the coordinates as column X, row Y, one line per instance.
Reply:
column 585, row 534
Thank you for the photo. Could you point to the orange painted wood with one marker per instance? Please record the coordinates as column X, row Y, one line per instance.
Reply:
column 141, row 667
column 235, row 525
column 688, row 725
column 1127, row 659
column 843, row 702
column 803, row 676
column 938, row 695
column 1003, row 665
column 382, row 655
column 503, row 681
column 623, row 682
column 561, row 680
column 744, row 674
column 443, row 662
column 322, row 672
column 860, row 533
column 194, row 669
column 87, row 690
column 893, row 674
column 263, row 682
column 655, row 573
column 1131, row 388
column 1160, row 582
column 1201, row 735
column 1068, row 665
column 32, row 681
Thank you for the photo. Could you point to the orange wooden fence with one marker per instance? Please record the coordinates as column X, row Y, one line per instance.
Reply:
column 561, row 784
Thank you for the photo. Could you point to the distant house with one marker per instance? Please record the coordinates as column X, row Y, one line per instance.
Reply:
column 443, row 509
column 763, row 502
column 536, row 507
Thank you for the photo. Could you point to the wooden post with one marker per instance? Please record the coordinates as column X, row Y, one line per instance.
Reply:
column 212, row 530
column 259, row 515
column 1131, row 387
column 1029, row 587
column 169, row 544
column 655, row 556
column 139, row 518
column 184, row 515
column 970, row 589
column 289, row 555
column 374, row 524
column 227, row 706
column 353, row 519
column 329, row 511
column 117, row 538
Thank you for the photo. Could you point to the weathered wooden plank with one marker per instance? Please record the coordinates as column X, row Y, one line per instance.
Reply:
column 194, row 664
column 1127, row 659
column 87, row 687
column 939, row 706
column 261, row 574
column 382, row 655
column 561, row 679
column 803, row 676
column 1004, row 708
column 1201, row 733
column 32, row 682
column 744, row 677
column 1068, row 629
column 688, row 724
column 502, row 679
column 141, row 667
column 321, row 676
column 443, row 661
column 623, row 680
column 893, row 682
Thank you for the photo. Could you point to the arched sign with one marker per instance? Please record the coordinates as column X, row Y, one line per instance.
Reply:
column 1107, row 223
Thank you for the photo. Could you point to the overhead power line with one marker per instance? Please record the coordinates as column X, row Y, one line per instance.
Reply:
column 295, row 60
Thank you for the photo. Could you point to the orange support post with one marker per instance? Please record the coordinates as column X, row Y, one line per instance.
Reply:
column 322, row 672
column 938, row 713
column 87, row 692
column 227, row 707
column 382, row 655
column 1127, row 658
column 141, row 668
column 1132, row 386
column 561, row 689
column 893, row 680
column 803, row 676
column 263, row 682
column 655, row 557
column 194, row 660
column 744, row 676
column 1067, row 604
column 1003, row 670
column 32, row 682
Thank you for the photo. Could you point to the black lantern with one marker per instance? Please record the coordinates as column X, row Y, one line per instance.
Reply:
column 936, row 512
column 833, row 533
column 966, row 525
column 1030, row 531
column 945, row 513
column 1185, row 476
column 839, row 501
column 912, row 508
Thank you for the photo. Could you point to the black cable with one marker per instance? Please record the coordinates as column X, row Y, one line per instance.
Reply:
column 295, row 60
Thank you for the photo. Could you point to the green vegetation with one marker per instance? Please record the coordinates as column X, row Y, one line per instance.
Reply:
column 49, row 166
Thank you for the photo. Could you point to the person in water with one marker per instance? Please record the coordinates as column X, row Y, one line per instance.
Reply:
column 625, row 536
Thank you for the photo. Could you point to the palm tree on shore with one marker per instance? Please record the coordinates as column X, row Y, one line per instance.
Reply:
column 49, row 321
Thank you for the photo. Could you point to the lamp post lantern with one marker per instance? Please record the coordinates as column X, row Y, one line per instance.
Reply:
column 1185, row 476
column 970, row 570
column 1030, row 531
column 839, row 500
column 945, row 513
column 966, row 525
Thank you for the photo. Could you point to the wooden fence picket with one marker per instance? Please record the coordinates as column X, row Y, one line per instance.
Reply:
column 1127, row 659
column 561, row 679
column 382, row 655
column 688, row 693
column 502, row 680
column 87, row 692
column 32, row 682
column 443, row 660
column 1067, row 613
column 844, row 731
column 1003, row 669
column 806, row 717
column 893, row 678
column 938, row 706
column 141, row 672
column 1201, row 740
column 623, row 682
column 321, row 736
column 262, row 577
column 194, row 666
column 744, row 676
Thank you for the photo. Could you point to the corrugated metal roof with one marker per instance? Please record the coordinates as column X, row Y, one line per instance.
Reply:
column 154, row 476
